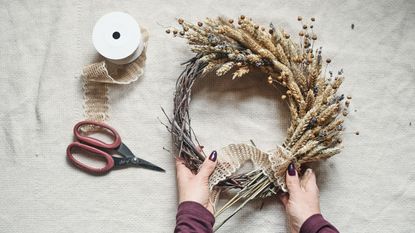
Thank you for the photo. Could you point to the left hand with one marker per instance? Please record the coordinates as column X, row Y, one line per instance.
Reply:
column 196, row 187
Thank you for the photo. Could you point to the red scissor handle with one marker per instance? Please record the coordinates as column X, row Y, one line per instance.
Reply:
column 93, row 141
column 109, row 160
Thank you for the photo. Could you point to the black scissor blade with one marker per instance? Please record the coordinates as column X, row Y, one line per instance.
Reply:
column 125, row 151
column 148, row 165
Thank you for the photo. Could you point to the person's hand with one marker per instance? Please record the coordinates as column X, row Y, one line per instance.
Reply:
column 302, row 200
column 195, row 187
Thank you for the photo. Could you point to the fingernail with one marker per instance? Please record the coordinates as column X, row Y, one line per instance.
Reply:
column 291, row 169
column 213, row 156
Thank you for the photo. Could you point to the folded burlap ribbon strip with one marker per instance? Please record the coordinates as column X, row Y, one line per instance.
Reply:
column 233, row 156
column 98, row 76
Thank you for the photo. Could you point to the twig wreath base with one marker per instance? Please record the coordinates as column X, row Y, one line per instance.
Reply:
column 222, row 46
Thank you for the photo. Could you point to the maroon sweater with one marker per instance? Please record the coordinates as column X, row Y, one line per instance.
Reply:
column 192, row 217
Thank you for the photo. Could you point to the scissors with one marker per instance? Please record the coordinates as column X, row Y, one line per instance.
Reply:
column 101, row 149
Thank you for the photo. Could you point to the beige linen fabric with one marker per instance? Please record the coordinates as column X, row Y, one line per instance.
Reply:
column 369, row 187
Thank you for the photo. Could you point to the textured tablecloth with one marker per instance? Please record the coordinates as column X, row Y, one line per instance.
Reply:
column 369, row 187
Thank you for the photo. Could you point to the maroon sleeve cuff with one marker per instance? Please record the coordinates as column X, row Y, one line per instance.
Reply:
column 193, row 217
column 317, row 224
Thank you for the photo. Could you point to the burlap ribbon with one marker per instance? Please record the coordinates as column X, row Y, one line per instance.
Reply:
column 97, row 78
column 233, row 156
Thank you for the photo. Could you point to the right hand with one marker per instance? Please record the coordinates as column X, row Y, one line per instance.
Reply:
column 302, row 200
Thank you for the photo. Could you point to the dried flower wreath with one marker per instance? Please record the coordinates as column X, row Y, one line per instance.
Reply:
column 315, row 107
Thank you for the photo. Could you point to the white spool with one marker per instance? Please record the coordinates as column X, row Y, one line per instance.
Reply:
column 117, row 37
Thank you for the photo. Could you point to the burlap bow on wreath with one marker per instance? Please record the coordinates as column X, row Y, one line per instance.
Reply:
column 222, row 46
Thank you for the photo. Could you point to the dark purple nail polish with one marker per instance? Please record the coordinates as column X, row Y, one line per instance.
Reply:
column 291, row 169
column 213, row 156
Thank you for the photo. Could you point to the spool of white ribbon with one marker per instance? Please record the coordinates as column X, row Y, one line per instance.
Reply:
column 121, row 41
column 117, row 37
